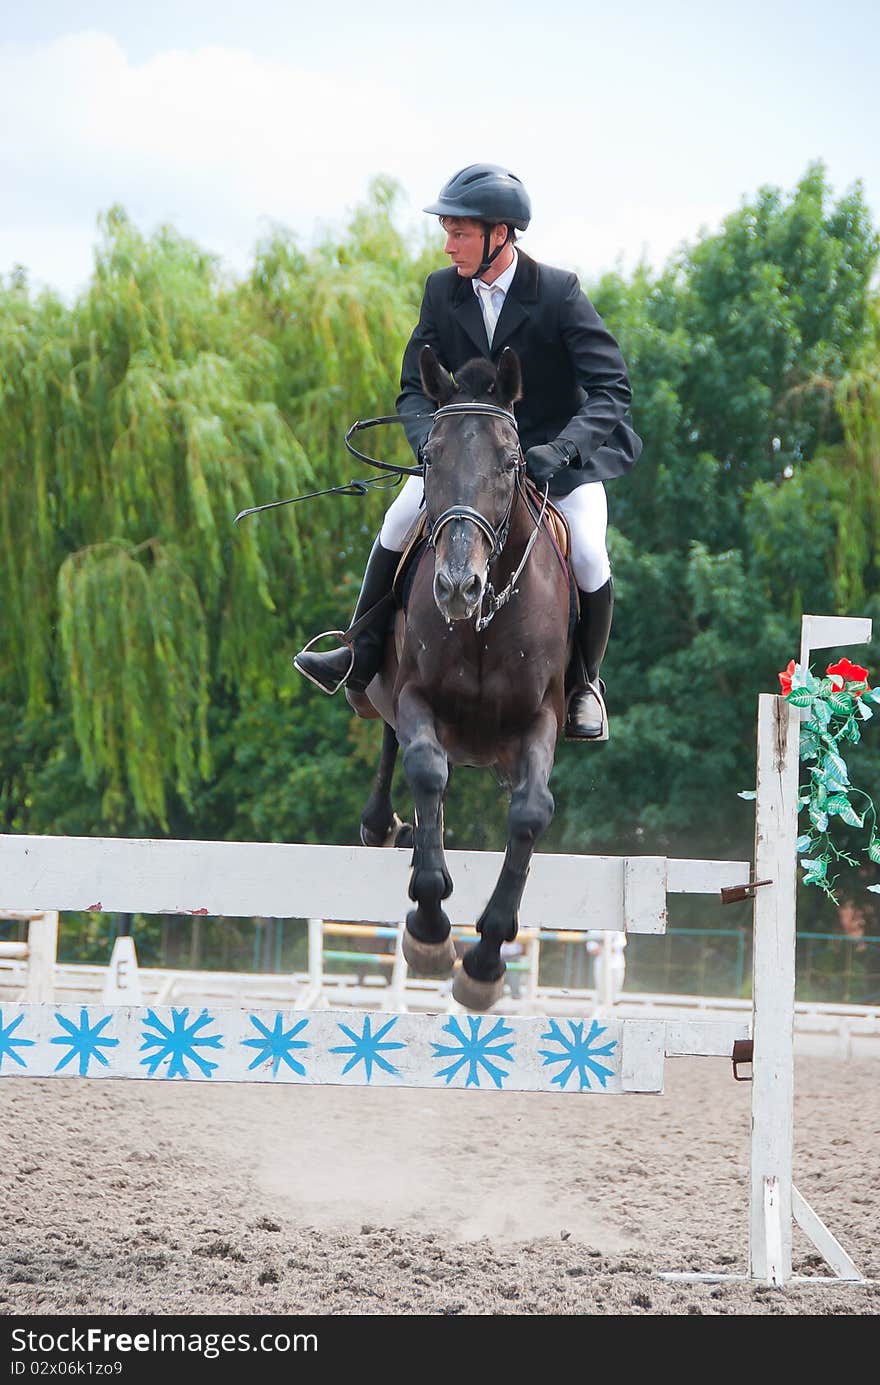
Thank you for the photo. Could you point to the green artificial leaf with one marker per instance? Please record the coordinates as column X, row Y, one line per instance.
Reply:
column 747, row 794
column 821, row 712
column 851, row 731
column 837, row 802
column 803, row 843
column 874, row 850
column 834, row 766
column 813, row 727
column 841, row 702
column 872, row 695
column 816, row 871
column 874, row 889
column 800, row 697
column 864, row 710
column 849, row 815
column 835, row 785
column 819, row 819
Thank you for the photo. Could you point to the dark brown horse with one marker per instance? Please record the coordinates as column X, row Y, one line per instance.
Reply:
column 476, row 672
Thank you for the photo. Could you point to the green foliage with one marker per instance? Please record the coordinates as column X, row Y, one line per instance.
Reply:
column 836, row 707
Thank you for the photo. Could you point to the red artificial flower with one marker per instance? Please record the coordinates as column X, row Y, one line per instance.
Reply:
column 786, row 677
column 844, row 672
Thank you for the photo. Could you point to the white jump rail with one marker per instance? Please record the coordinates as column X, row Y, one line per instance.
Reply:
column 277, row 880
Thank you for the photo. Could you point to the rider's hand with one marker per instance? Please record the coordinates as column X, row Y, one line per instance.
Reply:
column 542, row 463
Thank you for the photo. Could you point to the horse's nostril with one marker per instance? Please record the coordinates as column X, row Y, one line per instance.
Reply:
column 470, row 589
column 443, row 586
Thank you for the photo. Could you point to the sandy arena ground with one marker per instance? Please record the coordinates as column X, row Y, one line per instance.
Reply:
column 172, row 1198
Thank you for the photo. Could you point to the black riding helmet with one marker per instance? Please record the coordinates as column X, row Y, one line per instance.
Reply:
column 487, row 193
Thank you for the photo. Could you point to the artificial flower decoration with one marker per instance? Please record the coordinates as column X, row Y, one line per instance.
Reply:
column 844, row 672
column 836, row 705
column 786, row 676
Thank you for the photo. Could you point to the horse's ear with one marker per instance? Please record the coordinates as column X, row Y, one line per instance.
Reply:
column 438, row 384
column 509, row 382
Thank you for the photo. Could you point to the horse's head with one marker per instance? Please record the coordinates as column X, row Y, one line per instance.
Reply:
column 472, row 460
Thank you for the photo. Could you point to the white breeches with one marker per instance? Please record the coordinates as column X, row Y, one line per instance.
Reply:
column 585, row 509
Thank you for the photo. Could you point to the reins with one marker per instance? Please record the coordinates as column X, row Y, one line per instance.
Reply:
column 497, row 537
column 353, row 487
column 501, row 599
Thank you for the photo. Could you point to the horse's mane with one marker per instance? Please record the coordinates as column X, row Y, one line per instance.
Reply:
column 476, row 377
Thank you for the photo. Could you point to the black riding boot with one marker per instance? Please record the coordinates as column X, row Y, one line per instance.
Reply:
column 587, row 719
column 330, row 671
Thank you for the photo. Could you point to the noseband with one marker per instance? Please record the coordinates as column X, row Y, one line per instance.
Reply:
column 496, row 537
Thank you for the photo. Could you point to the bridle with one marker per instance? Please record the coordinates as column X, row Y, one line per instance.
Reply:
column 496, row 536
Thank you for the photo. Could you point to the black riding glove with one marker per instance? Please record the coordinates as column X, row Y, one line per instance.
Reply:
column 542, row 463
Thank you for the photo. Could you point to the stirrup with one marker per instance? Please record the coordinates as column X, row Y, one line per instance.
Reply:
column 597, row 688
column 325, row 634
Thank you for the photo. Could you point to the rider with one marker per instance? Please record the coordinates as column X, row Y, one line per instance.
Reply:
column 573, row 419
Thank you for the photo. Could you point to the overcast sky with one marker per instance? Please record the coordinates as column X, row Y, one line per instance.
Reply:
column 632, row 124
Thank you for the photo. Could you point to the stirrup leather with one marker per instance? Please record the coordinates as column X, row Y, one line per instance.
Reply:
column 326, row 634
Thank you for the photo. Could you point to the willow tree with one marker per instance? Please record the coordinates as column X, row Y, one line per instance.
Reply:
column 857, row 564
column 135, row 425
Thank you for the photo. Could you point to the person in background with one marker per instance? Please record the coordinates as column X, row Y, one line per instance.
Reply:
column 606, row 947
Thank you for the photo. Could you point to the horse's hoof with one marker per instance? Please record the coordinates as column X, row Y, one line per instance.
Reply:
column 370, row 838
column 428, row 959
column 476, row 995
column 400, row 833
column 403, row 835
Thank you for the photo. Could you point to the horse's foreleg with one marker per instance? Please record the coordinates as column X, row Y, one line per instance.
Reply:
column 481, row 980
column 380, row 826
column 427, row 941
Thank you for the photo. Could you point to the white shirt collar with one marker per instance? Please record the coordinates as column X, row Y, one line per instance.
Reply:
column 503, row 281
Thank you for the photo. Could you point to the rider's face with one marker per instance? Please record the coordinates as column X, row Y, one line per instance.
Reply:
column 464, row 242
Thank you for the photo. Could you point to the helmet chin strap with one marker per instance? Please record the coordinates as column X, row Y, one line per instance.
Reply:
column 487, row 258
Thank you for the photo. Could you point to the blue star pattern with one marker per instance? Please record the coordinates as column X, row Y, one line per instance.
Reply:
column 276, row 1044
column 84, row 1042
column 523, row 1053
column 578, row 1054
column 8, row 1045
column 179, row 1043
column 476, row 1050
column 365, row 1048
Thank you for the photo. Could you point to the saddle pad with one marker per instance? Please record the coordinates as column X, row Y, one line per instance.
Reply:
column 414, row 544
column 559, row 526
